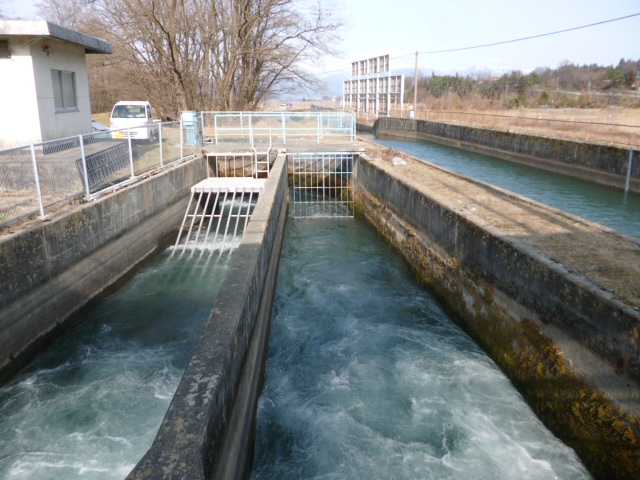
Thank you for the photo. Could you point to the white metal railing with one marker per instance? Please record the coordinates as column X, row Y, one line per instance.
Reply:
column 278, row 128
column 38, row 176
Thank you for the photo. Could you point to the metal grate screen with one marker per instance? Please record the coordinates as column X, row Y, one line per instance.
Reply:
column 321, row 184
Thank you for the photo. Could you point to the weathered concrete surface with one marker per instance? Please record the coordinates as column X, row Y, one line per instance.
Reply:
column 602, row 164
column 51, row 269
column 208, row 429
column 364, row 128
column 516, row 274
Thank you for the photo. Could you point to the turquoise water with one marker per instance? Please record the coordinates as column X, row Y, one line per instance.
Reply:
column 367, row 377
column 607, row 206
column 90, row 406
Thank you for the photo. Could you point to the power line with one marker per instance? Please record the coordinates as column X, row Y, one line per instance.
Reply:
column 531, row 37
column 497, row 43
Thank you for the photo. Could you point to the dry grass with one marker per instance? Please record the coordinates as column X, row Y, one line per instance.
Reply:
column 102, row 118
column 613, row 126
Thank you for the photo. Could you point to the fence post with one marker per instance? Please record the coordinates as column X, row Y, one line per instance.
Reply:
column 133, row 173
column 629, row 164
column 319, row 126
column 37, row 179
column 160, row 144
column 181, row 139
column 84, row 166
column 251, row 129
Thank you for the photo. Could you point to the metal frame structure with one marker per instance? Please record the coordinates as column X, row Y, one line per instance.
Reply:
column 283, row 128
column 372, row 88
column 221, row 202
column 321, row 184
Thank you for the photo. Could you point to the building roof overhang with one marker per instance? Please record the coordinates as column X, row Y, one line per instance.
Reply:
column 42, row 28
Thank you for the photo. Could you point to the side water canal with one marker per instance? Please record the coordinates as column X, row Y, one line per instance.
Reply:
column 604, row 205
column 367, row 377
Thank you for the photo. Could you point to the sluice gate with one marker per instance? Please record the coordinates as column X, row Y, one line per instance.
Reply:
column 220, row 204
column 321, row 184
column 217, row 207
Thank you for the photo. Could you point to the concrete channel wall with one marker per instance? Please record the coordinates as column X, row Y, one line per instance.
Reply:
column 209, row 426
column 518, row 304
column 52, row 269
column 603, row 164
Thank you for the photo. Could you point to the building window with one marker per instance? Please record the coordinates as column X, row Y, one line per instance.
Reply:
column 64, row 91
column 5, row 52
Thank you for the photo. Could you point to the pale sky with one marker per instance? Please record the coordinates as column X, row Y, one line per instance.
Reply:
column 401, row 27
column 398, row 27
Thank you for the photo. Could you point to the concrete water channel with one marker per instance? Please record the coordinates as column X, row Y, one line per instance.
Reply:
column 387, row 379
column 607, row 206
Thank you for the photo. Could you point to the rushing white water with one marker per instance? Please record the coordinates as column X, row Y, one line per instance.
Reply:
column 91, row 404
column 368, row 378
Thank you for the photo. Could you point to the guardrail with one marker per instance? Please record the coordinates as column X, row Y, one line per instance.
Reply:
column 279, row 128
column 38, row 176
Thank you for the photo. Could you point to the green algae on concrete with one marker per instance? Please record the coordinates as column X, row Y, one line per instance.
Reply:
column 604, row 436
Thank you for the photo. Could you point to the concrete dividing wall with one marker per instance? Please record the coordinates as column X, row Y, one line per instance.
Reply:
column 364, row 128
column 540, row 322
column 208, row 429
column 50, row 270
column 602, row 164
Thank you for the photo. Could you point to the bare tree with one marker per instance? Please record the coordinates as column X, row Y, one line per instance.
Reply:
column 202, row 54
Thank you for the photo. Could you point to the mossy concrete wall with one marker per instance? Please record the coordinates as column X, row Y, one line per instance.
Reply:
column 364, row 128
column 50, row 270
column 208, row 430
column 602, row 164
column 525, row 310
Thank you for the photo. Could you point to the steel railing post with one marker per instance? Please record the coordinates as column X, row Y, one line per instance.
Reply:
column 251, row 129
column 319, row 126
column 284, row 129
column 37, row 179
column 353, row 128
column 84, row 166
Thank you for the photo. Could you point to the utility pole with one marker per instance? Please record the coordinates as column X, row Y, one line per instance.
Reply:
column 415, row 88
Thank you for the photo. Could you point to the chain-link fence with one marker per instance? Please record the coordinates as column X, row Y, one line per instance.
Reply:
column 278, row 128
column 38, row 176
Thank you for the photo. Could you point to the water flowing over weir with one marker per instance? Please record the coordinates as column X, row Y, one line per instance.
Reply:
column 368, row 378
column 90, row 406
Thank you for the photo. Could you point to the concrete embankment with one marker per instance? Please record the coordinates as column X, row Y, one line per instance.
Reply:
column 208, row 429
column 603, row 164
column 552, row 298
column 52, row 269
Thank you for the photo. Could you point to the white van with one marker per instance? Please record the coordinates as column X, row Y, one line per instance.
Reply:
column 129, row 114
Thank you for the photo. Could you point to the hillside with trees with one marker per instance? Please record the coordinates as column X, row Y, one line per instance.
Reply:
column 568, row 85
